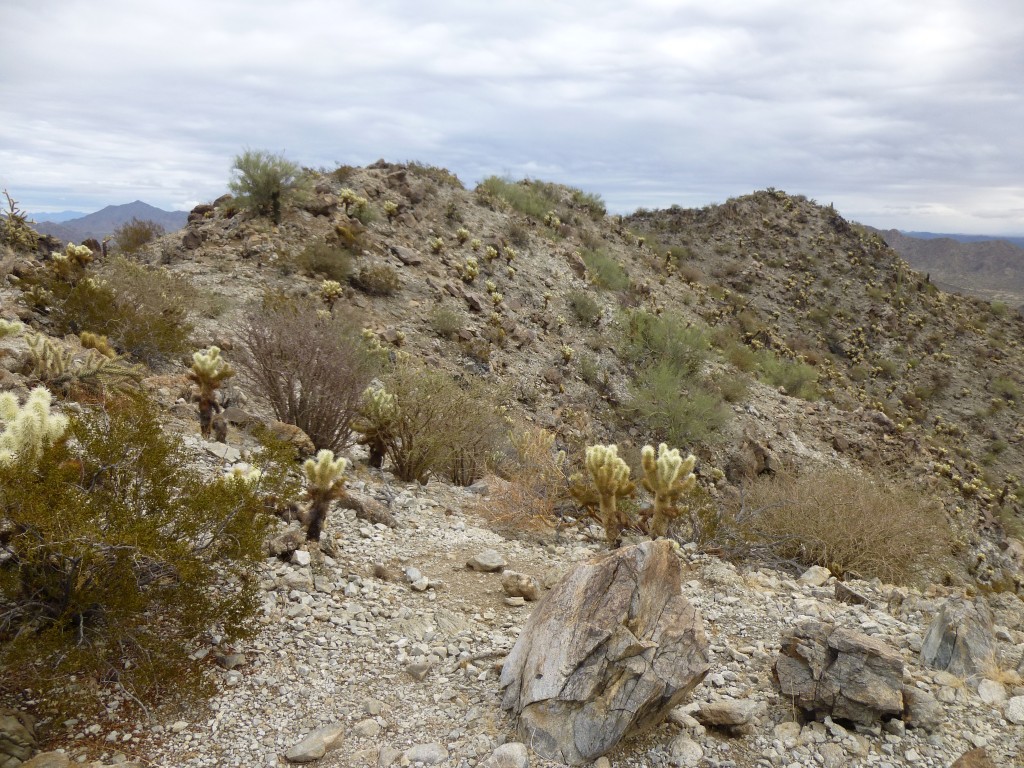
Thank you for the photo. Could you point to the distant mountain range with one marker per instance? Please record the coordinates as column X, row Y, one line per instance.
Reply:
column 102, row 223
column 982, row 266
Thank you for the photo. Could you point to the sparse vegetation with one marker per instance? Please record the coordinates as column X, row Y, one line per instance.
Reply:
column 324, row 260
column 132, row 236
column 377, row 280
column 605, row 271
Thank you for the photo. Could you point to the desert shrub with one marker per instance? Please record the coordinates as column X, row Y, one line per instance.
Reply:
column 440, row 176
column 798, row 379
column 1006, row 388
column 649, row 338
column 14, row 229
column 850, row 524
column 605, row 271
column 117, row 556
column 675, row 409
column 534, row 199
column 377, row 280
column 131, row 236
column 437, row 427
column 143, row 311
column 445, row 322
column 517, row 233
column 591, row 202
column 264, row 182
column 322, row 259
column 310, row 367
column 585, row 308
column 535, row 483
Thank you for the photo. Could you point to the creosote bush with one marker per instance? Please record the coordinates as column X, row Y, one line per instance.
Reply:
column 377, row 280
column 604, row 270
column 309, row 366
column 323, row 259
column 850, row 524
column 133, row 235
column 118, row 556
column 432, row 425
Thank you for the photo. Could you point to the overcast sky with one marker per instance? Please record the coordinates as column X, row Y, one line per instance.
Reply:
column 904, row 113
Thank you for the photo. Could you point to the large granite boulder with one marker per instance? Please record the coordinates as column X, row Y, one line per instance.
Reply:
column 835, row 671
column 960, row 638
column 611, row 649
column 17, row 737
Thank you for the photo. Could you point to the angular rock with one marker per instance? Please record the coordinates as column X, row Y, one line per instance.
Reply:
column 520, row 585
column 611, row 649
column 736, row 717
column 294, row 436
column 960, row 639
column 685, row 752
column 836, row 671
column 1014, row 711
column 17, row 737
column 815, row 576
column 487, row 561
column 847, row 594
column 991, row 692
column 428, row 754
column 316, row 744
column 407, row 256
column 921, row 709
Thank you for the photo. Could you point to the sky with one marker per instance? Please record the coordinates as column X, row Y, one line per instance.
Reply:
column 904, row 114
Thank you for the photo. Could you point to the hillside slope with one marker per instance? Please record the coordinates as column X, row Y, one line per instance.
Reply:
column 104, row 221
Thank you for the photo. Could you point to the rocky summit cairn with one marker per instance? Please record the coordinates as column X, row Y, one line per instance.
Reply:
column 836, row 671
column 959, row 639
column 611, row 649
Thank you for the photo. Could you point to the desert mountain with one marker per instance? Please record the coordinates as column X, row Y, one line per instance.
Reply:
column 103, row 222
column 992, row 268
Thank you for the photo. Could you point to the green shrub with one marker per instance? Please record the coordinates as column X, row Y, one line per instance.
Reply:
column 649, row 338
column 675, row 409
column 605, row 271
column 589, row 201
column 133, row 235
column 440, row 176
column 377, row 280
column 264, row 182
column 534, row 199
column 324, row 260
column 850, row 524
column 585, row 308
column 438, row 428
column 445, row 322
column 798, row 379
column 311, row 369
column 121, row 556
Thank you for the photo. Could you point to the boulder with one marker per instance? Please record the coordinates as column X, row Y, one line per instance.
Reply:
column 922, row 710
column 960, row 640
column 520, row 585
column 610, row 650
column 835, row 671
column 48, row 760
column 734, row 717
column 316, row 744
column 487, row 561
column 294, row 436
column 17, row 737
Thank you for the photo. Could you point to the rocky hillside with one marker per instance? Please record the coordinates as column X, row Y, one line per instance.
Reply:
column 808, row 345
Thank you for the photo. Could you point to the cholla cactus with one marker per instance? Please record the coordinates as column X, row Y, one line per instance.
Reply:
column 375, row 421
column 390, row 209
column 243, row 473
column 325, row 476
column 668, row 477
column 330, row 292
column 209, row 371
column 70, row 265
column 436, row 245
column 349, row 198
column 490, row 253
column 28, row 430
column 10, row 328
column 98, row 342
column 470, row 270
column 610, row 477
column 462, row 234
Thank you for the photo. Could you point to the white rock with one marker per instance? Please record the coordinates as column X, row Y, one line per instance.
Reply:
column 511, row 755
column 300, row 557
column 428, row 754
column 991, row 692
column 1014, row 711
column 316, row 744
column 815, row 576
column 685, row 752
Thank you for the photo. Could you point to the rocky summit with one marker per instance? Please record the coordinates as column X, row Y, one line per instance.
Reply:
column 478, row 612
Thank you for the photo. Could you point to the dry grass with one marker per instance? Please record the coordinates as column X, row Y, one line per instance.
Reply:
column 851, row 524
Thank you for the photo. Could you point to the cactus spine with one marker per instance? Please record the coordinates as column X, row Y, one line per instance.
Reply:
column 668, row 476
column 209, row 371
column 375, row 421
column 30, row 429
column 610, row 475
column 325, row 482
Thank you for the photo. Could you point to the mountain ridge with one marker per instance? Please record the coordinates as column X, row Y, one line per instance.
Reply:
column 103, row 222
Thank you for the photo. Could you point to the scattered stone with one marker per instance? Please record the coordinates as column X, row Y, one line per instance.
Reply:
column 317, row 744
column 301, row 557
column 387, row 756
column 487, row 561
column 815, row 576
column 229, row 453
column 48, row 760
column 610, row 650
column 832, row 755
column 847, row 594
column 959, row 639
column 735, row 717
column 368, row 509
column 418, row 670
column 428, row 754
column 787, row 731
column 685, row 752
column 294, row 436
column 17, row 737
column 515, row 602
column 991, row 692
column 976, row 758
column 231, row 660
column 407, row 256
column 520, row 585
column 921, row 709
column 366, row 729
column 510, row 755
column 836, row 671
column 1014, row 711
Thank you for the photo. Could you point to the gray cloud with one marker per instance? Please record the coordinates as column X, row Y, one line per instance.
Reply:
column 902, row 114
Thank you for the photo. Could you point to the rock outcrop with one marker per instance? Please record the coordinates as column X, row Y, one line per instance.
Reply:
column 959, row 639
column 836, row 671
column 17, row 737
column 610, row 650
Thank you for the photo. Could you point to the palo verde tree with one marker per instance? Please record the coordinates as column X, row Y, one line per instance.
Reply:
column 264, row 182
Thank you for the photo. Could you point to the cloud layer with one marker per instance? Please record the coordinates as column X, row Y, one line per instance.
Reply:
column 902, row 114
